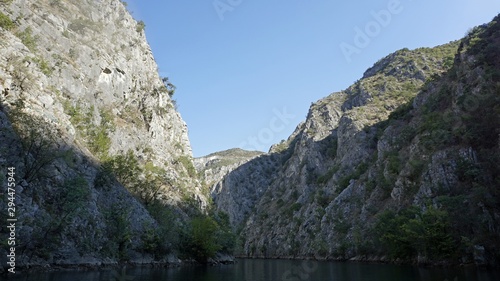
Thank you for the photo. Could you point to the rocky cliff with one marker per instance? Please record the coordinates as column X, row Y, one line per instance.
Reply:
column 402, row 165
column 99, row 151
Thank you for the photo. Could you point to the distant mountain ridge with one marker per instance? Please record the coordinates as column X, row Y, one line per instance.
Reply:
column 213, row 167
column 401, row 166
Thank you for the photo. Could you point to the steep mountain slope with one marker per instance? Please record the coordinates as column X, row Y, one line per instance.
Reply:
column 84, row 114
column 401, row 165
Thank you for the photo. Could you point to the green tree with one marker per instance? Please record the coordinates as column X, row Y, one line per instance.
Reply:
column 413, row 232
column 226, row 238
column 203, row 240
column 169, row 88
column 118, row 232
column 65, row 204
column 163, row 238
column 38, row 143
column 125, row 168
column 140, row 26
column 430, row 233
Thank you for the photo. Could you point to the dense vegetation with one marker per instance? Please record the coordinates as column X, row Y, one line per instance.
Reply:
column 199, row 237
column 457, row 220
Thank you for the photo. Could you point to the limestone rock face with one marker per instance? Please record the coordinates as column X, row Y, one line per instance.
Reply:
column 212, row 168
column 79, row 87
column 391, row 143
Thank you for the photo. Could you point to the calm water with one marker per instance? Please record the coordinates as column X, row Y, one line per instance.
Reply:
column 274, row 270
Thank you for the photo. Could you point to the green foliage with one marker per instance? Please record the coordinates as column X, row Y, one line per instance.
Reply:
column 28, row 39
column 38, row 143
column 187, row 163
column 44, row 66
column 290, row 210
column 124, row 167
column 226, row 238
column 482, row 125
column 295, row 207
column 417, row 167
column 65, row 204
column 331, row 150
column 77, row 116
column 468, row 171
column 152, row 241
column 402, row 112
column 160, row 240
column 322, row 199
column 145, row 182
column 282, row 146
column 394, row 164
column 323, row 179
column 341, row 225
column 389, row 229
column 140, row 26
column 344, row 181
column 320, row 247
column 205, row 235
column 412, row 232
column 203, row 240
column 118, row 232
column 168, row 87
column 99, row 142
column 5, row 22
column 74, row 195
column 96, row 137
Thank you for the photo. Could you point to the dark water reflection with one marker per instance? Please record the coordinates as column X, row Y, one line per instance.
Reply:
column 274, row 270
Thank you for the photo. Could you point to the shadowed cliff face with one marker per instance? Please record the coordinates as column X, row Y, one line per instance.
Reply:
column 84, row 114
column 401, row 165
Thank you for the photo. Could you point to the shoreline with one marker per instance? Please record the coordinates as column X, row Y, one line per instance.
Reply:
column 228, row 260
column 377, row 260
column 59, row 267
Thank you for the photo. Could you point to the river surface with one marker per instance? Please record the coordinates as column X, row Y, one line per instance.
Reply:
column 272, row 270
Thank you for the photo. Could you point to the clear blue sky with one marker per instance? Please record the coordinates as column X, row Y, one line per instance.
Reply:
column 247, row 71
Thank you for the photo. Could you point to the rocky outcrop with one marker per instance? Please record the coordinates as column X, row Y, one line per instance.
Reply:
column 81, row 96
column 377, row 168
column 213, row 167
